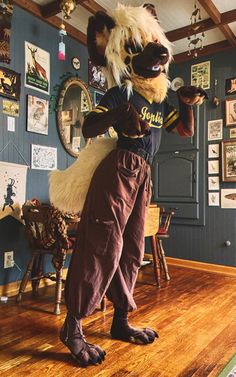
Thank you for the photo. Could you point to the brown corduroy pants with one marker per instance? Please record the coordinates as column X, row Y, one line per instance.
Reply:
column 110, row 243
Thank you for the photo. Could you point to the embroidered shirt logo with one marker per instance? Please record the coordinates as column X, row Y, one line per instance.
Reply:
column 154, row 119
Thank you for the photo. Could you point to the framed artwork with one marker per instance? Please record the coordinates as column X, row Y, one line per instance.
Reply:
column 228, row 198
column 10, row 108
column 232, row 133
column 229, row 161
column 97, row 97
column 230, row 111
column 213, row 183
column 213, row 199
column 230, row 86
column 9, row 83
column 96, row 77
column 37, row 115
column 200, row 75
column 43, row 157
column 213, row 150
column 37, row 68
column 215, row 129
column 213, row 167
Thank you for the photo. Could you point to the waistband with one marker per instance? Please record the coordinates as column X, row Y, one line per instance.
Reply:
column 139, row 151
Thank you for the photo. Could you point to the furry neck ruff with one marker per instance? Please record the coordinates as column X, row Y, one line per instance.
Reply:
column 152, row 89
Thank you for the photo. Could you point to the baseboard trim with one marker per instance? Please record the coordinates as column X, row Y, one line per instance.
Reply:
column 216, row 268
column 11, row 289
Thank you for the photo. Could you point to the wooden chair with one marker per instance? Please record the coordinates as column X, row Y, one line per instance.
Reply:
column 48, row 232
column 157, row 228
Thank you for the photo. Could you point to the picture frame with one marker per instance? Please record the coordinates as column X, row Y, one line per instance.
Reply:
column 11, row 108
column 213, row 183
column 200, row 74
column 228, row 198
column 10, row 83
column 213, row 167
column 213, row 150
column 230, row 111
column 232, row 133
column 97, row 96
column 37, row 115
column 215, row 129
column 228, row 160
column 213, row 199
column 96, row 78
column 230, row 86
column 43, row 157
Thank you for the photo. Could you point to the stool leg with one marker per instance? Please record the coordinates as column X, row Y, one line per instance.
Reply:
column 26, row 278
column 39, row 274
column 103, row 304
column 156, row 265
column 58, row 289
column 163, row 259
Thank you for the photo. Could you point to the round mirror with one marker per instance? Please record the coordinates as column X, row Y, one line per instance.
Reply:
column 74, row 103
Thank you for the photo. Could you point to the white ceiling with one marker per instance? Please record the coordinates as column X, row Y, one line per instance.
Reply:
column 172, row 14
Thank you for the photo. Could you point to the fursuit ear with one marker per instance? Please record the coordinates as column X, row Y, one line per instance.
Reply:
column 151, row 8
column 98, row 33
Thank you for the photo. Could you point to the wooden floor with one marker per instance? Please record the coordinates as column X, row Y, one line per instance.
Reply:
column 194, row 314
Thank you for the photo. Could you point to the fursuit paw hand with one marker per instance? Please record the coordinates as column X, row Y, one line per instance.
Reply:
column 191, row 95
column 132, row 125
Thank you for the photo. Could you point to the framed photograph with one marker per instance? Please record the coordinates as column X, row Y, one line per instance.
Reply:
column 232, row 133
column 213, row 199
column 229, row 161
column 96, row 77
column 10, row 108
column 228, row 198
column 230, row 111
column 37, row 115
column 230, row 86
column 9, row 83
column 215, row 129
column 37, row 68
column 213, row 183
column 213, row 151
column 213, row 167
column 43, row 157
column 200, row 75
column 97, row 97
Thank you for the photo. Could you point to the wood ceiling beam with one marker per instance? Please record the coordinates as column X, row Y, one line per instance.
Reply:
column 207, row 50
column 215, row 15
column 35, row 9
column 53, row 8
column 92, row 7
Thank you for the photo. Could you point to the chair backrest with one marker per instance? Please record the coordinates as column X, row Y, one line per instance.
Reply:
column 165, row 220
column 35, row 217
column 152, row 220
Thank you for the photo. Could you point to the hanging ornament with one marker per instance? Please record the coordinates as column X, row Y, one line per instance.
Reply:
column 62, row 46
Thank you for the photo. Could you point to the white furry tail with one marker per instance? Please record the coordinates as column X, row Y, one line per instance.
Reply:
column 68, row 188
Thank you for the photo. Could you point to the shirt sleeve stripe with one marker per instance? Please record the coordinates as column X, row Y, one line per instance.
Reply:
column 101, row 108
column 171, row 120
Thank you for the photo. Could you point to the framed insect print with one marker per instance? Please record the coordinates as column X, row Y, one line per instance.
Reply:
column 230, row 111
column 9, row 83
column 229, row 161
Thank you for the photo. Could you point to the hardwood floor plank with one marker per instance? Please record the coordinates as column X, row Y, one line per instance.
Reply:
column 194, row 314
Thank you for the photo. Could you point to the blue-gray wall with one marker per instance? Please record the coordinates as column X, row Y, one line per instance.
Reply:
column 207, row 243
column 25, row 27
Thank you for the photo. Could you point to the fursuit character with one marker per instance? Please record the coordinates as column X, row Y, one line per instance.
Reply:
column 131, row 46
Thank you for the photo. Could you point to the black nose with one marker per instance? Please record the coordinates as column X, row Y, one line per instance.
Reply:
column 158, row 52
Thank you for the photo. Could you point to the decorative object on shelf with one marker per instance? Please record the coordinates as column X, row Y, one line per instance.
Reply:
column 9, row 83
column 228, row 198
column 37, row 115
column 37, row 68
column 230, row 111
column 215, row 129
column 6, row 11
column 176, row 83
column 200, row 74
column 96, row 77
column 75, row 63
column 228, row 161
column 230, row 86
column 195, row 41
column 67, row 7
column 215, row 100
column 213, row 199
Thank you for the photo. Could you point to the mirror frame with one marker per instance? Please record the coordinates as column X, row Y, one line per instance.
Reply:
column 62, row 92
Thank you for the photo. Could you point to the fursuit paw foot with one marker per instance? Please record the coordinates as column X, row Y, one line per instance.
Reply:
column 133, row 335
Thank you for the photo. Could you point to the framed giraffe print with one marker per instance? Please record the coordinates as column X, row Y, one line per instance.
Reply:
column 37, row 68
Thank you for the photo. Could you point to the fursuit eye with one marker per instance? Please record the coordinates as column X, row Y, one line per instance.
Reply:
column 133, row 48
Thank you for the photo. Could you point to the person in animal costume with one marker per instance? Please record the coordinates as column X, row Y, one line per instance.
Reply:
column 135, row 53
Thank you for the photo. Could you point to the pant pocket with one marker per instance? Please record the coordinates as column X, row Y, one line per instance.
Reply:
column 101, row 231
